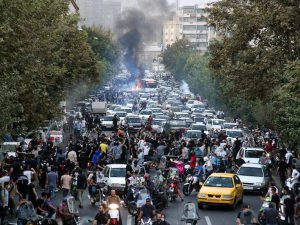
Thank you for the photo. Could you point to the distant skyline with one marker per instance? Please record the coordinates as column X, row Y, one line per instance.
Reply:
column 191, row 2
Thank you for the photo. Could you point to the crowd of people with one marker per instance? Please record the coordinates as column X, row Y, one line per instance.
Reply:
column 36, row 174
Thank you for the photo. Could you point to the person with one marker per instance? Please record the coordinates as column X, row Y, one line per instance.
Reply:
column 270, row 214
column 72, row 156
column 48, row 206
column 289, row 208
column 160, row 220
column 115, row 122
column 66, row 181
column 199, row 171
column 113, row 198
column 51, row 182
column 246, row 216
column 275, row 197
column 295, row 175
column 282, row 171
column 147, row 210
column 92, row 181
column 81, row 186
column 40, row 204
column 63, row 213
column 24, row 212
column 4, row 201
column 102, row 217
column 32, row 194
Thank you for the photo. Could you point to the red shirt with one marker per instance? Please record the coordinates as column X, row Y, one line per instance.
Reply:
column 193, row 161
column 269, row 148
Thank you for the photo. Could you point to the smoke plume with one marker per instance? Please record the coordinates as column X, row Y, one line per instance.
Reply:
column 139, row 26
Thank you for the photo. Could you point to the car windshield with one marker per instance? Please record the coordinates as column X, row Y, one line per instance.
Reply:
column 118, row 172
column 193, row 134
column 146, row 112
column 250, row 171
column 234, row 134
column 121, row 114
column 158, row 122
column 199, row 119
column 134, row 120
column 217, row 122
column 198, row 127
column 178, row 123
column 229, row 126
column 225, row 182
column 253, row 153
column 107, row 118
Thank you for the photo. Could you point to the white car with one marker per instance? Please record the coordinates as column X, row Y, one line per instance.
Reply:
column 232, row 134
column 158, row 125
column 121, row 115
column 215, row 124
column 255, row 177
column 191, row 103
column 209, row 112
column 107, row 122
column 230, row 126
column 114, row 177
column 144, row 114
column 250, row 155
column 113, row 108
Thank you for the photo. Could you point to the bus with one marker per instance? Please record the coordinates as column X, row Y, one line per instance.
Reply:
column 150, row 85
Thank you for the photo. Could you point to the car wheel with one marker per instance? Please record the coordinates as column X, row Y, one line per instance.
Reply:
column 200, row 206
column 233, row 206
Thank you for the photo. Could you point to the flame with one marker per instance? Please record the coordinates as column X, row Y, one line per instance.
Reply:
column 138, row 85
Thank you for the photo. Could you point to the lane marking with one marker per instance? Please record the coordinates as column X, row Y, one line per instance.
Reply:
column 129, row 219
column 207, row 220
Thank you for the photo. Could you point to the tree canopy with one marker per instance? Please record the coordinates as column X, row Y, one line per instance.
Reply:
column 44, row 55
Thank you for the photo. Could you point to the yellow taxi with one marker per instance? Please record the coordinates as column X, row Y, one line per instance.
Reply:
column 221, row 189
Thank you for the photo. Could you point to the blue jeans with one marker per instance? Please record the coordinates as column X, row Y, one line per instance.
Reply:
column 52, row 190
column 65, row 192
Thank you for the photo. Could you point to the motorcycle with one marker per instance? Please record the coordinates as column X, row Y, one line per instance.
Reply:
column 191, row 183
column 96, row 193
column 265, row 205
column 172, row 193
column 160, row 199
column 190, row 215
column 146, row 221
column 114, row 213
column 139, row 199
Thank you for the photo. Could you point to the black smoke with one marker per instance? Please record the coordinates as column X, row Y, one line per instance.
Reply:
column 139, row 26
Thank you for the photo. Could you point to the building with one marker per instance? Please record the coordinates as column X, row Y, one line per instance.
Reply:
column 171, row 31
column 110, row 12
column 148, row 54
column 190, row 23
column 90, row 12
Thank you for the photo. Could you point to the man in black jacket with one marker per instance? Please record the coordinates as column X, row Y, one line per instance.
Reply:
column 81, row 186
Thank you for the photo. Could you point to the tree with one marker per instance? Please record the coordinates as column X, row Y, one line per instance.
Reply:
column 287, row 103
column 43, row 55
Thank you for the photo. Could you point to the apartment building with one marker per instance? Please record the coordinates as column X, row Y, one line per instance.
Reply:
column 191, row 24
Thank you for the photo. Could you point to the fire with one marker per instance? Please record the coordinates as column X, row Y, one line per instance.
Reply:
column 138, row 85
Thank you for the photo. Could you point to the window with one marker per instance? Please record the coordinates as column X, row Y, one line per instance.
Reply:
column 202, row 27
column 189, row 27
column 237, row 180
column 250, row 171
column 225, row 182
column 201, row 19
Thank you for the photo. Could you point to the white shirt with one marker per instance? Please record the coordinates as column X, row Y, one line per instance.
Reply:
column 28, row 174
column 288, row 156
column 146, row 150
column 295, row 174
column 4, row 179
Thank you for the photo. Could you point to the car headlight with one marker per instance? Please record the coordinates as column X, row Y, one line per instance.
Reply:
column 202, row 195
column 227, row 196
column 259, row 184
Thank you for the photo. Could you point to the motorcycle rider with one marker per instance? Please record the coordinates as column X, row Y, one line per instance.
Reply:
column 64, row 213
column 147, row 210
column 148, row 183
column 102, row 217
column 113, row 198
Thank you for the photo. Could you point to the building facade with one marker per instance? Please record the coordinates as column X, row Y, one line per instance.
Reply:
column 192, row 25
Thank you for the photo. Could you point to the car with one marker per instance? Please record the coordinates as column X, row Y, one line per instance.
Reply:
column 255, row 177
column 121, row 115
column 113, row 108
column 221, row 189
column 215, row 124
column 192, row 135
column 126, row 109
column 144, row 114
column 191, row 103
column 133, row 123
column 199, row 119
column 250, row 155
column 181, row 116
column 198, row 107
column 198, row 126
column 232, row 134
column 107, row 122
column 114, row 177
column 158, row 125
column 177, row 125
column 229, row 126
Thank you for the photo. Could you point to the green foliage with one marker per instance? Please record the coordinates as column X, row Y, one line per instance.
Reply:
column 175, row 57
column 43, row 56
column 288, row 104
